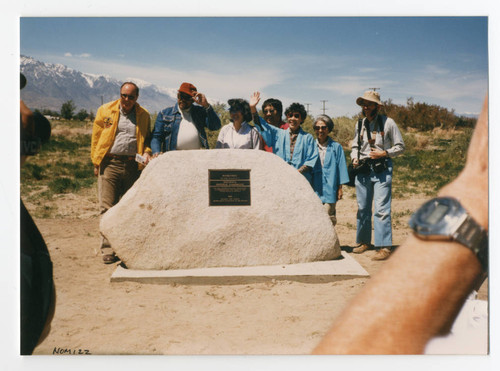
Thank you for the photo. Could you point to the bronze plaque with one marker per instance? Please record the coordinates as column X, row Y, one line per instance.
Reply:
column 229, row 187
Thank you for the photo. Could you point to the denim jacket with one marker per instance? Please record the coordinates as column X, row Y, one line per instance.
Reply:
column 167, row 124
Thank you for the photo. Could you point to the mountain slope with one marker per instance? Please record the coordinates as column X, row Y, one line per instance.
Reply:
column 50, row 85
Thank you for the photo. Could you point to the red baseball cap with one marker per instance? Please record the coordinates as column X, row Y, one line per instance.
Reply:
column 188, row 89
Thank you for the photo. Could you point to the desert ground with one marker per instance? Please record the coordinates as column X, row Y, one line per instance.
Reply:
column 95, row 316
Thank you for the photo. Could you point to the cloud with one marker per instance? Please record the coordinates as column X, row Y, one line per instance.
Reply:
column 458, row 90
column 433, row 84
column 82, row 55
column 353, row 85
column 436, row 70
column 218, row 78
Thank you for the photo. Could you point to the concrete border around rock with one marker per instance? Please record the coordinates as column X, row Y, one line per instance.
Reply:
column 314, row 272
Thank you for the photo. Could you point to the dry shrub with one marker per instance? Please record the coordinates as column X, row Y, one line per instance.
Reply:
column 62, row 131
column 422, row 141
column 444, row 133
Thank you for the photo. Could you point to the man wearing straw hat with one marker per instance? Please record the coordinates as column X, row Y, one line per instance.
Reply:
column 376, row 142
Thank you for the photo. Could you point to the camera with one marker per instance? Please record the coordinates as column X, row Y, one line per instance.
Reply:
column 379, row 165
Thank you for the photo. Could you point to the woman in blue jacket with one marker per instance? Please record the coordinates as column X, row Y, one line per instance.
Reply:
column 330, row 170
column 293, row 145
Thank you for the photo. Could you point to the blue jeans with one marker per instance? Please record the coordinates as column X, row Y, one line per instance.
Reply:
column 376, row 188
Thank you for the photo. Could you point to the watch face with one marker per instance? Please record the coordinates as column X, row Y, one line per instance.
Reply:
column 439, row 217
column 436, row 214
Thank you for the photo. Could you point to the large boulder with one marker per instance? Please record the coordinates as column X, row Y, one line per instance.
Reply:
column 165, row 222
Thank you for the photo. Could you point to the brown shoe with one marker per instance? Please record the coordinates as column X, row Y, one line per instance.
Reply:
column 382, row 254
column 361, row 248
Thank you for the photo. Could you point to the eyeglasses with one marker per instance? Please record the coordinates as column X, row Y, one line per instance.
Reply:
column 271, row 111
column 296, row 115
column 184, row 97
column 318, row 128
column 234, row 110
column 129, row 97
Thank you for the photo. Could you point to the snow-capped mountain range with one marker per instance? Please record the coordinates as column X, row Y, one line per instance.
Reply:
column 50, row 85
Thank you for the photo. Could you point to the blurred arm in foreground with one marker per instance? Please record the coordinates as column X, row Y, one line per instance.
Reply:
column 419, row 292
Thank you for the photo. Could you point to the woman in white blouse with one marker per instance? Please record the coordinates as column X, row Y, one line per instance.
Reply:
column 238, row 134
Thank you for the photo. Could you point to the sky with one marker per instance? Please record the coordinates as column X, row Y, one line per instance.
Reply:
column 436, row 60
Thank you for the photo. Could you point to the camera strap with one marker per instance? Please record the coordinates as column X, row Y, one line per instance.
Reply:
column 360, row 124
column 379, row 123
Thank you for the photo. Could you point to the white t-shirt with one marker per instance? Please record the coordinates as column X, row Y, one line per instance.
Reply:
column 187, row 137
column 245, row 138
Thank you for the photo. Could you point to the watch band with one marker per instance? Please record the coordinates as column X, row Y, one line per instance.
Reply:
column 445, row 218
column 475, row 238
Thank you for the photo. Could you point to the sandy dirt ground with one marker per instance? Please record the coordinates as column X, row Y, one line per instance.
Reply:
column 96, row 316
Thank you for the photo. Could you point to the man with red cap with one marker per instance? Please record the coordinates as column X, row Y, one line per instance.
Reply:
column 182, row 126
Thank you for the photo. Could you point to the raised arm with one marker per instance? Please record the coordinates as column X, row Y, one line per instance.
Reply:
column 268, row 132
column 212, row 120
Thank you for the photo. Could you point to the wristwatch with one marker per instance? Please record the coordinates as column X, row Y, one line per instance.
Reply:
column 444, row 218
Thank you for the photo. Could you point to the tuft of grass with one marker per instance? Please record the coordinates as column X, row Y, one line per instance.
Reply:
column 32, row 171
column 44, row 211
column 69, row 144
column 63, row 185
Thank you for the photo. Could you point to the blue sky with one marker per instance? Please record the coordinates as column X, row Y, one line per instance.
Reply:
column 437, row 60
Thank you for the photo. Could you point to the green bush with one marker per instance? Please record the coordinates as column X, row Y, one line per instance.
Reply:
column 69, row 144
column 32, row 171
column 63, row 185
column 343, row 131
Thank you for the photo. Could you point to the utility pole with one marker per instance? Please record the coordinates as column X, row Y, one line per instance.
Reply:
column 324, row 109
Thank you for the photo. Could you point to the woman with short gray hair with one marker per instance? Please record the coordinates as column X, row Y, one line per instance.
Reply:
column 330, row 171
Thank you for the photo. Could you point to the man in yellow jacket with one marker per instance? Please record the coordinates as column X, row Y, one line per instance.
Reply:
column 121, row 131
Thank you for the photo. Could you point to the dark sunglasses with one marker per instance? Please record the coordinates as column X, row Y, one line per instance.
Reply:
column 185, row 97
column 296, row 115
column 129, row 97
column 318, row 128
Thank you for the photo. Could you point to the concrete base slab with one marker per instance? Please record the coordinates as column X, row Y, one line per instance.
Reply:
column 343, row 268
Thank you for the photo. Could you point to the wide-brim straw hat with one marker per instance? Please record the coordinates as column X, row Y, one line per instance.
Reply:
column 371, row 96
